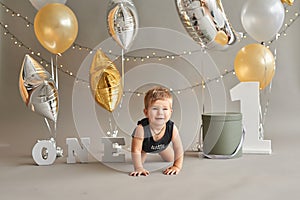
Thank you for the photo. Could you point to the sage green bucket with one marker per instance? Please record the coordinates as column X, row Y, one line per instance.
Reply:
column 222, row 135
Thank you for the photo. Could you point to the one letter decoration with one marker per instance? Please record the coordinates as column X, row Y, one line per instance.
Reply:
column 44, row 152
column 75, row 150
column 112, row 147
column 248, row 94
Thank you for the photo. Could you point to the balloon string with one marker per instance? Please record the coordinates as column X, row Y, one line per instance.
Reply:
column 112, row 132
column 203, row 96
column 122, row 53
column 110, row 125
column 48, row 125
column 56, row 71
column 54, row 74
column 56, row 82
column 52, row 69
column 269, row 89
column 261, row 125
column 198, row 145
column 52, row 132
column 260, row 128
column 203, row 84
column 263, row 112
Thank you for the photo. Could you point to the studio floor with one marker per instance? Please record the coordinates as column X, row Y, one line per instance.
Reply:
column 260, row 177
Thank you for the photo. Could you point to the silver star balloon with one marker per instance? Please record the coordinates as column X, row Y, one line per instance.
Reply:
column 122, row 22
column 37, row 89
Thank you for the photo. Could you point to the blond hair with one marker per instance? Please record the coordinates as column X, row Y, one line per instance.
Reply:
column 157, row 93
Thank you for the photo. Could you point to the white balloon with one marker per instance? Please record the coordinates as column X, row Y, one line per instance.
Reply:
column 262, row 19
column 38, row 4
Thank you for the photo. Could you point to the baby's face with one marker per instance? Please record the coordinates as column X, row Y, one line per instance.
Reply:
column 159, row 112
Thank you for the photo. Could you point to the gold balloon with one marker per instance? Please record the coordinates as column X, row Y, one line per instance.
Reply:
column 289, row 2
column 221, row 38
column 56, row 27
column 105, row 81
column 255, row 62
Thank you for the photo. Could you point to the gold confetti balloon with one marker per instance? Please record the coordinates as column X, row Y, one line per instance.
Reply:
column 105, row 81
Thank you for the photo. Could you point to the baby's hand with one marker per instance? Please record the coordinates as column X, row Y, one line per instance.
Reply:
column 140, row 172
column 172, row 171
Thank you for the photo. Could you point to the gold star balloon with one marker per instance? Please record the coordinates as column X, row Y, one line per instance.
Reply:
column 105, row 81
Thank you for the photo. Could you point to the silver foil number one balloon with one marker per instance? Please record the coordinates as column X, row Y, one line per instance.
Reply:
column 206, row 23
column 122, row 22
column 38, row 90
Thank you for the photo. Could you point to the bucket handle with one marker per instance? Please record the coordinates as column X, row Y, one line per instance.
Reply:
column 213, row 156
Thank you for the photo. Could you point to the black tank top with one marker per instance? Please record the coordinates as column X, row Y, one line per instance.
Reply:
column 151, row 146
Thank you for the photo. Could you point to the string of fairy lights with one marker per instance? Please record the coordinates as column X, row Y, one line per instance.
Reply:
column 28, row 24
